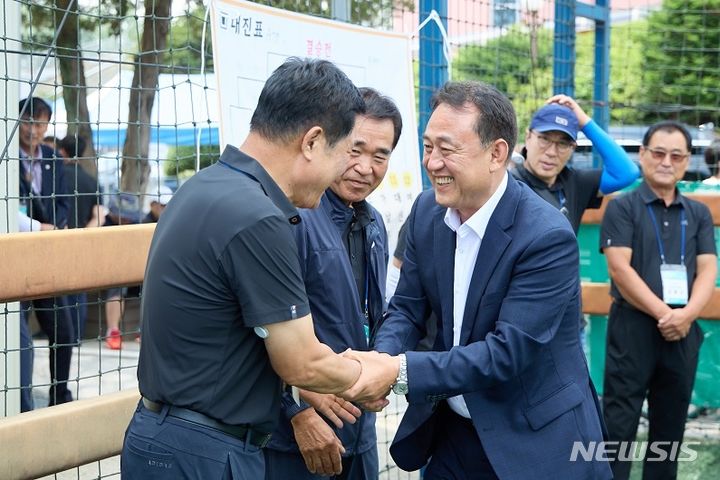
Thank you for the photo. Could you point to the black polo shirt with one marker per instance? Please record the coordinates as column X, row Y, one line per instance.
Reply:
column 223, row 260
column 573, row 192
column 627, row 223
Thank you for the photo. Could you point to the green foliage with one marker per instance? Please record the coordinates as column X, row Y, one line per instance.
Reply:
column 185, row 34
column 626, row 86
column 370, row 13
column 42, row 17
column 506, row 62
column 682, row 62
column 182, row 158
column 185, row 43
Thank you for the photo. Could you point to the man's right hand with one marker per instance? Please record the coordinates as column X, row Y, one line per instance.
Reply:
column 332, row 407
column 320, row 447
column 379, row 371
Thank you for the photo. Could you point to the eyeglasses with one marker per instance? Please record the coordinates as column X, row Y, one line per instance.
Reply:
column 545, row 142
column 658, row 154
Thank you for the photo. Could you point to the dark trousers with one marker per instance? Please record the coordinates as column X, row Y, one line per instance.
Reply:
column 26, row 365
column 77, row 308
column 291, row 465
column 639, row 361
column 159, row 447
column 55, row 322
column 457, row 453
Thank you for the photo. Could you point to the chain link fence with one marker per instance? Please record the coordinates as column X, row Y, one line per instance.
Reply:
column 131, row 90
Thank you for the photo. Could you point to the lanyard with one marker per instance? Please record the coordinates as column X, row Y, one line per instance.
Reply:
column 659, row 240
column 367, row 290
column 561, row 198
column 366, row 323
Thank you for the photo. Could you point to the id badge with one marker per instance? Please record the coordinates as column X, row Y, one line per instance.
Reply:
column 674, row 283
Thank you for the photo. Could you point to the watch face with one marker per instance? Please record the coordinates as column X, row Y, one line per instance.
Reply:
column 400, row 389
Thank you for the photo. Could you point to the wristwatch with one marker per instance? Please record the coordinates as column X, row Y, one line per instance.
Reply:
column 400, row 387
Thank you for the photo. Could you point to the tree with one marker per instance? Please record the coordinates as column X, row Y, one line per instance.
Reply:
column 680, row 62
column 181, row 159
column 369, row 13
column 627, row 42
column 68, row 20
column 506, row 62
column 135, row 168
column 185, row 53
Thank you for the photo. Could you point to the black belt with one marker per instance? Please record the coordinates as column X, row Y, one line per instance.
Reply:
column 243, row 432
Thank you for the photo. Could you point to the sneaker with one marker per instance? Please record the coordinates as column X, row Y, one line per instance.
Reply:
column 114, row 339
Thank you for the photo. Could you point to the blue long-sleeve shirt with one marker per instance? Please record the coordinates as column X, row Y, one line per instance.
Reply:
column 576, row 190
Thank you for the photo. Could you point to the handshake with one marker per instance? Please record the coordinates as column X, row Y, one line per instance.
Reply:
column 378, row 373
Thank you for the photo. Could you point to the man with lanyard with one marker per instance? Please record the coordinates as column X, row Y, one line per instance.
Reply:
column 343, row 256
column 549, row 144
column 225, row 315
column 660, row 249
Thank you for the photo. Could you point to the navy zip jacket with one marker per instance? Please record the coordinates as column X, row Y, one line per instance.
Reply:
column 335, row 304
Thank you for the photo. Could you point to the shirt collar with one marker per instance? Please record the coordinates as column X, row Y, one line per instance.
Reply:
column 479, row 220
column 535, row 183
column 342, row 214
column 35, row 158
column 648, row 196
column 238, row 160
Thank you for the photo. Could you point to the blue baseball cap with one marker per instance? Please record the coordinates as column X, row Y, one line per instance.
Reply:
column 555, row 117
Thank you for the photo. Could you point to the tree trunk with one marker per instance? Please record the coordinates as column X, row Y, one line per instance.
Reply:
column 135, row 168
column 72, row 72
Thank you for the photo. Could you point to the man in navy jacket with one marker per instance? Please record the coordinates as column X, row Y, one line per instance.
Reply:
column 505, row 393
column 43, row 197
column 343, row 255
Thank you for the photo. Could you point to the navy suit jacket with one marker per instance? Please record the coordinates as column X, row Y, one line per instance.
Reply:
column 519, row 365
column 47, row 209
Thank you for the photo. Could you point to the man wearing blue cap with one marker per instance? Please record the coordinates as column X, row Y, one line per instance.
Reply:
column 549, row 144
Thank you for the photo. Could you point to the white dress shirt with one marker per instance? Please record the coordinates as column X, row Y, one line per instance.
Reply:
column 468, row 237
column 33, row 168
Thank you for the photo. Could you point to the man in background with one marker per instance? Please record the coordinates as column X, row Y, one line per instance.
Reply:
column 158, row 202
column 44, row 198
column 86, row 207
column 86, row 211
column 343, row 258
column 660, row 249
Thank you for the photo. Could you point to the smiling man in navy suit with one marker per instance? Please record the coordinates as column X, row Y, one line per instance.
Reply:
column 506, row 392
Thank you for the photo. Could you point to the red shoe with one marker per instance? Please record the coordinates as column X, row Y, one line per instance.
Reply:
column 114, row 339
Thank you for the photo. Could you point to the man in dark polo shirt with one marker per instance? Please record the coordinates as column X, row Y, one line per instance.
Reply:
column 549, row 144
column 225, row 314
column 660, row 249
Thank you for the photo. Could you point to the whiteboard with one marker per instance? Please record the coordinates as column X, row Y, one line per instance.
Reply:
column 250, row 41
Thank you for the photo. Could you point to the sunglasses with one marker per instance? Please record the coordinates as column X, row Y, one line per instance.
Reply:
column 658, row 154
